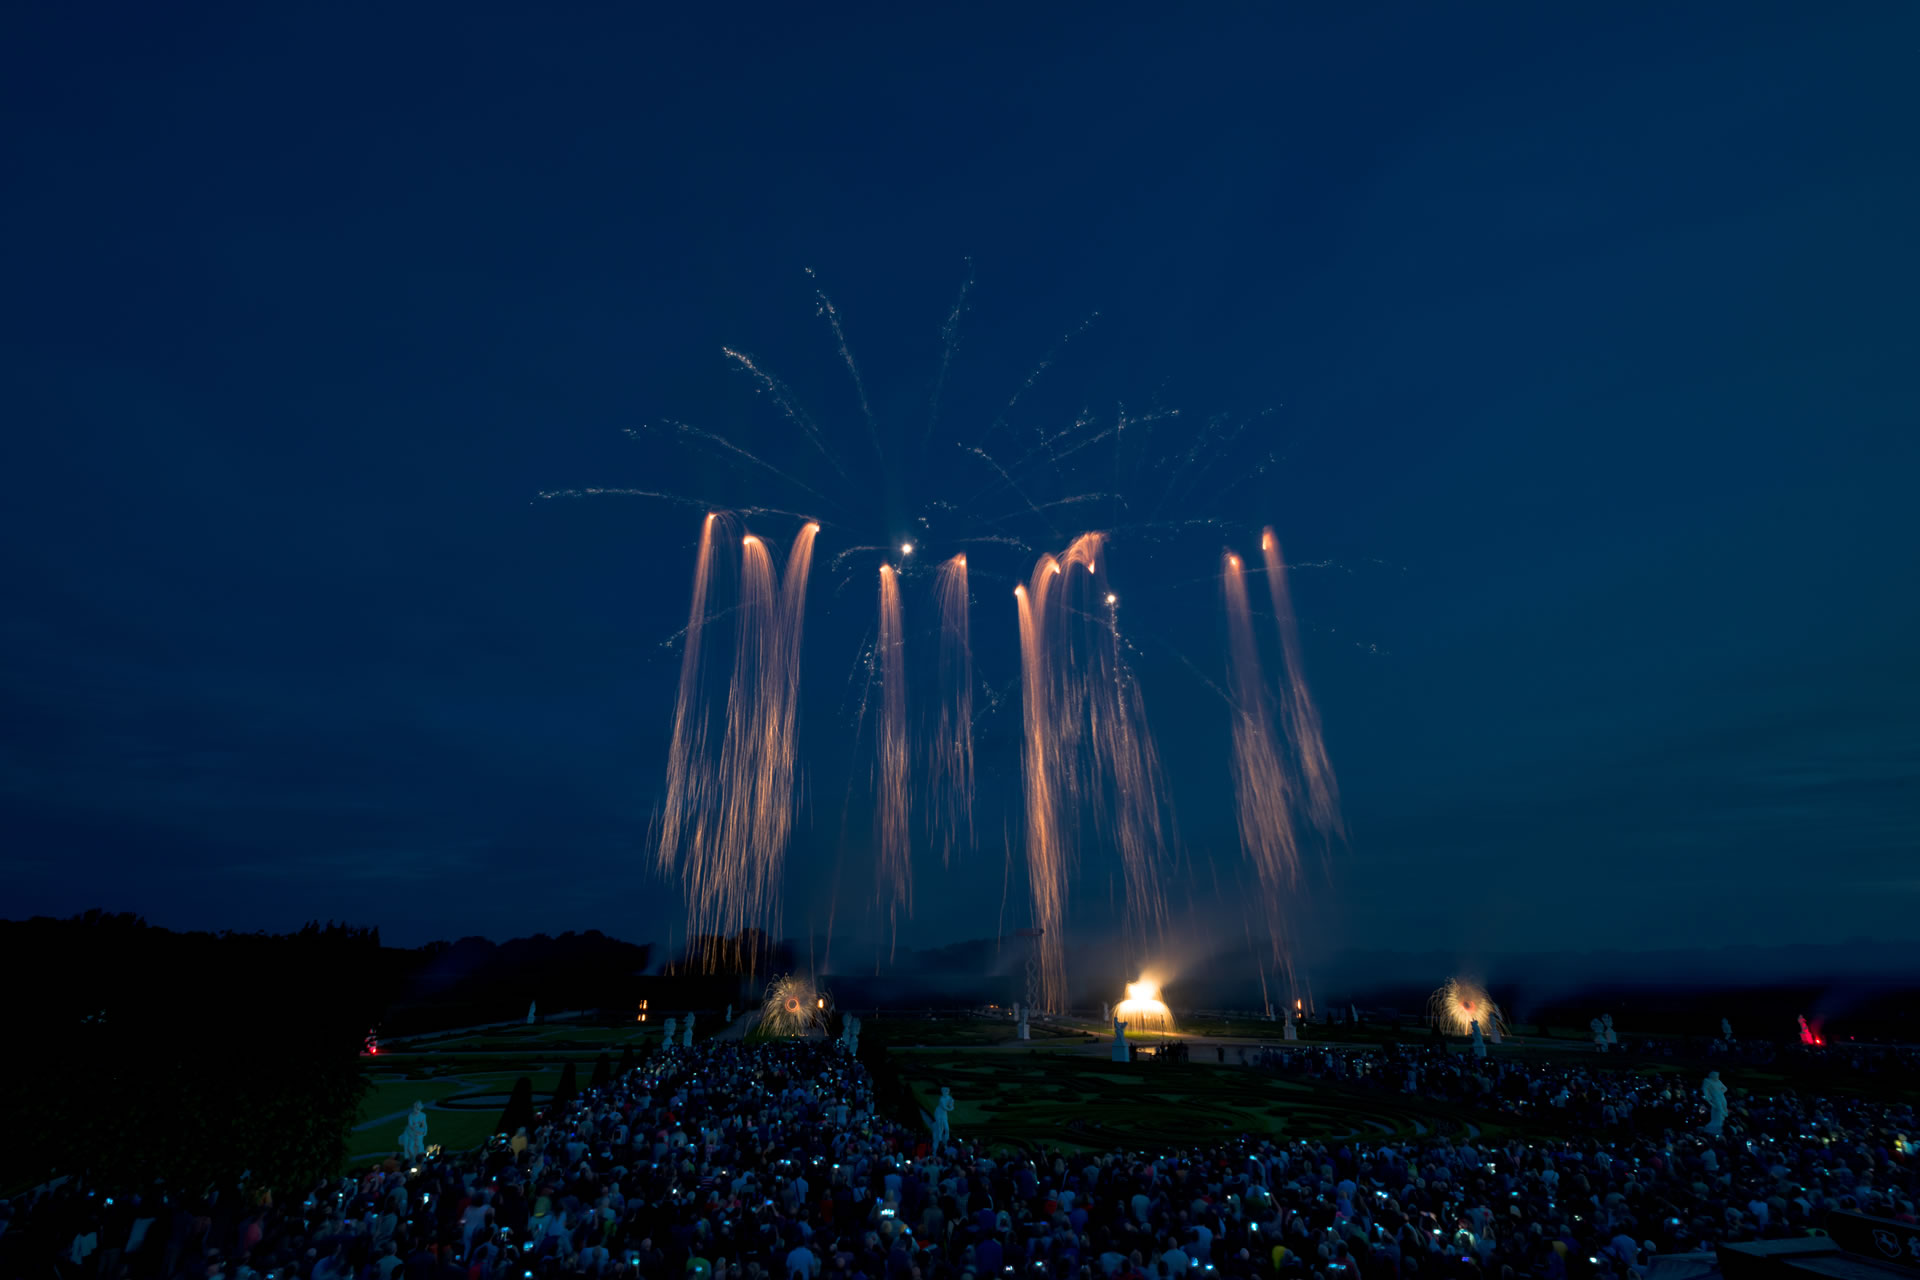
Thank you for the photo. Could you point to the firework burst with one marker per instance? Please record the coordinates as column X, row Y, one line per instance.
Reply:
column 933, row 512
column 1455, row 1007
column 794, row 1007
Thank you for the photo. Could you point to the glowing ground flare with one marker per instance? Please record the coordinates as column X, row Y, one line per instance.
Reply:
column 1143, row 1010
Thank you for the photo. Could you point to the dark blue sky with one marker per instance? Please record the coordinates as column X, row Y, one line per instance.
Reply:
column 1585, row 346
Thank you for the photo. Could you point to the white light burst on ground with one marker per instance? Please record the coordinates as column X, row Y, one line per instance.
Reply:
column 1143, row 1009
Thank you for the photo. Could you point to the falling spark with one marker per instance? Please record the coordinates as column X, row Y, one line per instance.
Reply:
column 689, row 431
column 846, row 354
column 1020, row 493
column 1045, row 871
column 1302, row 717
column 689, row 776
column 734, row 862
column 678, row 499
column 896, row 867
column 789, row 406
column 949, row 338
column 1262, row 795
column 1087, row 750
column 953, row 734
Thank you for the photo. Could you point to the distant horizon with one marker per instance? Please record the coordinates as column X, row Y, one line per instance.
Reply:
column 1437, row 960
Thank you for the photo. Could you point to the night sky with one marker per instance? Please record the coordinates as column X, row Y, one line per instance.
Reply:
column 1583, row 347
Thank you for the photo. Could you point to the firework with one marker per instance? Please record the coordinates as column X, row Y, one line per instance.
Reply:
column 1455, row 1007
column 793, row 1007
column 1143, row 1010
column 729, row 820
column 1316, row 781
column 688, row 775
column 1263, row 793
column 952, row 762
column 891, row 819
column 1092, row 778
column 1088, row 750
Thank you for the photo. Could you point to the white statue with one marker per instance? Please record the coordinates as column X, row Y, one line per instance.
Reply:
column 413, row 1138
column 1493, row 1030
column 1106, row 1012
column 729, row 1015
column 1291, row 1033
column 686, row 1035
column 853, row 1035
column 530, row 1005
column 1353, row 1015
column 942, row 1108
column 1715, row 1093
column 1599, row 1035
column 1606, row 1024
column 1726, row 1031
column 673, row 1026
column 1479, row 1045
column 1120, row 1051
column 1021, row 1032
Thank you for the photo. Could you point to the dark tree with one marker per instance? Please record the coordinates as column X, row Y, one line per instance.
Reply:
column 568, row 1089
column 626, row 1061
column 519, row 1112
column 602, row 1072
column 250, row 1043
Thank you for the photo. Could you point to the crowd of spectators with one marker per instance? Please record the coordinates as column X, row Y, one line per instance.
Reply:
column 735, row 1160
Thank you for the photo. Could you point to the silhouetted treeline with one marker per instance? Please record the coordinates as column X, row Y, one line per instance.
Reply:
column 137, row 1053
column 474, row 980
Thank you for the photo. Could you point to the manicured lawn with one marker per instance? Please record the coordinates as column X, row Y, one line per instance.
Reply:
column 450, row 1127
column 961, row 1029
column 1075, row 1101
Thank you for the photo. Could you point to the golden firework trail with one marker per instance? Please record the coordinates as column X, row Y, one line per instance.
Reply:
column 734, row 820
column 893, row 828
column 1087, row 748
column 1045, row 862
column 1322, row 791
column 1262, row 792
column 953, row 733
column 689, row 772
